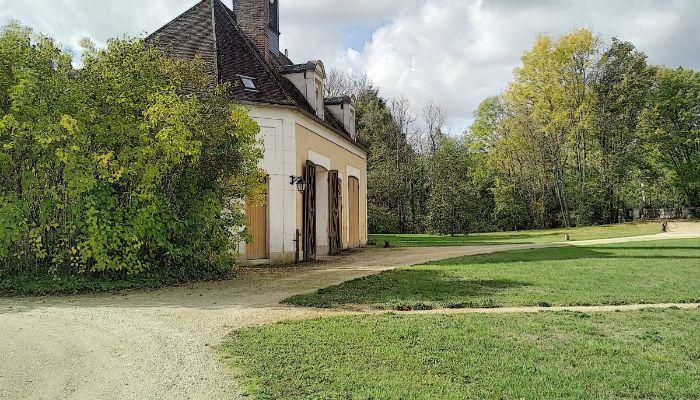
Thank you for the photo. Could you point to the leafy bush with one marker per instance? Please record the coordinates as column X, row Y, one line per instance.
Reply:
column 117, row 168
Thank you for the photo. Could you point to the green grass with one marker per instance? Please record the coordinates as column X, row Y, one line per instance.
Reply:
column 651, row 354
column 645, row 272
column 538, row 236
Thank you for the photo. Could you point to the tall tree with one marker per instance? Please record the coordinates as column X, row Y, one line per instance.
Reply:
column 343, row 83
column 403, row 121
column 550, row 105
column 453, row 199
column 621, row 86
column 672, row 127
column 434, row 120
column 377, row 132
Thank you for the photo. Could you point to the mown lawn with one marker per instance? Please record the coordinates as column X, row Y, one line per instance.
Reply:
column 537, row 236
column 644, row 272
column 651, row 354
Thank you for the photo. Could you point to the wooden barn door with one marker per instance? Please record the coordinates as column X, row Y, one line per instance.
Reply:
column 335, row 243
column 354, row 211
column 257, row 228
column 309, row 233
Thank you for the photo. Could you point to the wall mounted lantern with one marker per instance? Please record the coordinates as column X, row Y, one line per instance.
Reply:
column 299, row 181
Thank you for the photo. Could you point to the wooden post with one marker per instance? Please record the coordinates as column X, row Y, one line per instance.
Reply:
column 296, row 247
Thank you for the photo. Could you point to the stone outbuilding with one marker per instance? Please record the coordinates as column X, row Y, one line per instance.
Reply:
column 317, row 187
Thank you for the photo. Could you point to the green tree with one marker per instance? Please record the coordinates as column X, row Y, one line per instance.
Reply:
column 672, row 130
column 394, row 184
column 453, row 200
column 551, row 102
column 621, row 86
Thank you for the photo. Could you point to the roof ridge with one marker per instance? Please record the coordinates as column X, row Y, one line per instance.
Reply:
column 159, row 30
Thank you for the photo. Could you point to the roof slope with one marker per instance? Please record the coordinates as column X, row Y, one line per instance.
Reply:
column 209, row 30
column 190, row 34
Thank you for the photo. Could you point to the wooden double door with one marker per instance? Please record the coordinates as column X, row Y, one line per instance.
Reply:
column 335, row 210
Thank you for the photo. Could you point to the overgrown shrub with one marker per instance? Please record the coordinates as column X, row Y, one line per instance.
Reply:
column 117, row 168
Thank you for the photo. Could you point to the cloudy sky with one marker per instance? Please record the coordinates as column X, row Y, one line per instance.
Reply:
column 454, row 52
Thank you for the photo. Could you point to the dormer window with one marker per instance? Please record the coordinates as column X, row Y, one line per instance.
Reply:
column 308, row 78
column 248, row 83
column 343, row 109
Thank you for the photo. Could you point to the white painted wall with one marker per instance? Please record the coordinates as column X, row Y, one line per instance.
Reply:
column 278, row 135
column 319, row 159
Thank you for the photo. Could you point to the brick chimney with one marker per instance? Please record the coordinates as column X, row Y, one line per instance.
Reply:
column 259, row 19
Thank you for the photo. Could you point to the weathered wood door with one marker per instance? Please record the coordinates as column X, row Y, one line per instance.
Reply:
column 309, row 228
column 335, row 242
column 354, row 211
column 257, row 228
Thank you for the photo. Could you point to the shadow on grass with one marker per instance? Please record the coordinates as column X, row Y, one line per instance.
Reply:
column 569, row 253
column 482, row 239
column 449, row 283
column 547, row 254
column 405, row 287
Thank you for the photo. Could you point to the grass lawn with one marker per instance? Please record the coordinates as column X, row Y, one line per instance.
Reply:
column 645, row 272
column 651, row 354
column 539, row 236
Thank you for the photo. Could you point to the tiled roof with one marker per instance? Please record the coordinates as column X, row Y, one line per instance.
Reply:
column 189, row 35
column 209, row 30
column 309, row 66
column 337, row 100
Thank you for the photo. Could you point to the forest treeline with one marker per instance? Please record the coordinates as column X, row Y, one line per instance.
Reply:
column 586, row 127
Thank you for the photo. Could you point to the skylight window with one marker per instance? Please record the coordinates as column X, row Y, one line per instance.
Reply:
column 248, row 83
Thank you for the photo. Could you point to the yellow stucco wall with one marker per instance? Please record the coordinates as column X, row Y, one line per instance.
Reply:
column 340, row 159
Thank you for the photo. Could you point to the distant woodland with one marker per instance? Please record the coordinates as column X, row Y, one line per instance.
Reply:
column 586, row 128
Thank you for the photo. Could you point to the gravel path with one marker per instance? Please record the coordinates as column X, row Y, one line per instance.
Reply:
column 159, row 344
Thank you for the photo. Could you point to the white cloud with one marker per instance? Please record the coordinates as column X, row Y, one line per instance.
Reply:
column 68, row 21
column 455, row 52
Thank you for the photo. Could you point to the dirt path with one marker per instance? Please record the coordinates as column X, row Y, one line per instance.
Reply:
column 158, row 344
column 678, row 230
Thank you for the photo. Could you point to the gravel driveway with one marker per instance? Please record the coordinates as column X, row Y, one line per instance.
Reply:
column 159, row 344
